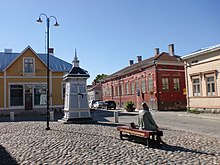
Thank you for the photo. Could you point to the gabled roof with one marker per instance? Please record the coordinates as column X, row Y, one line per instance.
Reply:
column 140, row 66
column 76, row 71
column 56, row 64
column 201, row 51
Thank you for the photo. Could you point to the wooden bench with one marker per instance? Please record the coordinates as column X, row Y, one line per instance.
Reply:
column 149, row 138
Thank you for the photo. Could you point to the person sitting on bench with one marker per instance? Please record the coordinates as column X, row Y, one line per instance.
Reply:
column 146, row 121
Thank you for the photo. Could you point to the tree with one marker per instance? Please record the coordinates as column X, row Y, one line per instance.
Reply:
column 100, row 77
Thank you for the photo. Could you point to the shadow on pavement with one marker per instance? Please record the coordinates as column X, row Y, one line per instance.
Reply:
column 171, row 148
column 33, row 117
column 5, row 157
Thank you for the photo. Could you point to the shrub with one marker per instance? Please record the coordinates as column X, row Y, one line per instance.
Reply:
column 193, row 110
column 129, row 106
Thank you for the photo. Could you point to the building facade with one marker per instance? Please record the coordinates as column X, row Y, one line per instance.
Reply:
column 23, row 80
column 159, row 81
column 94, row 91
column 202, row 69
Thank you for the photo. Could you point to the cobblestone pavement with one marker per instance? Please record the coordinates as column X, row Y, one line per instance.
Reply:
column 28, row 143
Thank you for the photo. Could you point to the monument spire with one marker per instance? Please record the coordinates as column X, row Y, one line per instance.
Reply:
column 76, row 61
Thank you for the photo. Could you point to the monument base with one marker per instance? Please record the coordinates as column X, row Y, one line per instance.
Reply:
column 87, row 120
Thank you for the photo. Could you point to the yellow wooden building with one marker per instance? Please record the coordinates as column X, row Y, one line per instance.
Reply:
column 23, row 80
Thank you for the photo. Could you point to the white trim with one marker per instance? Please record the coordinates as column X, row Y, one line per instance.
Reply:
column 172, row 70
column 51, row 83
column 32, row 73
column 5, row 90
column 62, row 86
column 9, row 94
column 202, row 51
column 23, row 84
column 28, row 47
column 28, row 77
column 170, row 63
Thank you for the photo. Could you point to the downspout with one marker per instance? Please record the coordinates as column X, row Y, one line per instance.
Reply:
column 5, row 87
column 112, row 92
column 187, row 85
column 157, row 85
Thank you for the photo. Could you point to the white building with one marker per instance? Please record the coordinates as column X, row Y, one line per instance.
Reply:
column 202, row 69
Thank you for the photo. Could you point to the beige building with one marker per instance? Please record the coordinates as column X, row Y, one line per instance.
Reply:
column 202, row 69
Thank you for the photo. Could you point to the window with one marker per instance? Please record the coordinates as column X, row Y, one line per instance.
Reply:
column 210, row 85
column 143, row 85
column 16, row 95
column 122, row 89
column 165, row 84
column 176, row 84
column 126, row 88
column 40, row 95
column 110, row 91
column 115, row 90
column 137, row 85
column 132, row 88
column 196, row 87
column 28, row 65
column 150, row 84
column 63, row 90
column 118, row 90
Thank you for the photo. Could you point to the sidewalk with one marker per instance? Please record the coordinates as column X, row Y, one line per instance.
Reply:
column 215, row 116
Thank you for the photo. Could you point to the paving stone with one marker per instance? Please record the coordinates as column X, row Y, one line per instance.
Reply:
column 29, row 143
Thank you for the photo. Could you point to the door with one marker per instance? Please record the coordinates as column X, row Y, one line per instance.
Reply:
column 28, row 97
column 28, row 102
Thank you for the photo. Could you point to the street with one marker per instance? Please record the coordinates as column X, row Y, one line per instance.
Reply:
column 204, row 124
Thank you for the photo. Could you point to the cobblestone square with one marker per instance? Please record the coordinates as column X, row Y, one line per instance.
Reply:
column 28, row 143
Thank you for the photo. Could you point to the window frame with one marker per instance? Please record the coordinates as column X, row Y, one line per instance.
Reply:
column 197, row 86
column 150, row 84
column 24, row 66
column 176, row 84
column 211, row 83
column 143, row 85
column 165, row 86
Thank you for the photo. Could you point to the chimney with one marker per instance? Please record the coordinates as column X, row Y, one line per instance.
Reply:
column 131, row 62
column 8, row 50
column 156, row 51
column 51, row 51
column 171, row 50
column 139, row 58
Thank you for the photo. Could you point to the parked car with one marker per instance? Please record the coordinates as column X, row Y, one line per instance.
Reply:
column 110, row 104
column 99, row 104
column 91, row 103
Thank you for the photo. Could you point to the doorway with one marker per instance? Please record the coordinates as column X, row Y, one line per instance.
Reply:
column 28, row 97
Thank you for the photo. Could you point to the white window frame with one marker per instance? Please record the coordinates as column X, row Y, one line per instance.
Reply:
column 28, row 73
column 196, row 86
column 212, row 85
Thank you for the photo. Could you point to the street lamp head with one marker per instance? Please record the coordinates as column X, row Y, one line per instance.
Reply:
column 56, row 24
column 39, row 20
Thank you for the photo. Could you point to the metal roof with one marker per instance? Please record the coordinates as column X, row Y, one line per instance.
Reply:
column 56, row 64
column 201, row 51
column 140, row 66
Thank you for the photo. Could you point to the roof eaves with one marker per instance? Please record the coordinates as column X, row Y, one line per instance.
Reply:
column 130, row 69
column 201, row 51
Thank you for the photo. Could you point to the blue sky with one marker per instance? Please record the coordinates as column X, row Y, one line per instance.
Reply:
column 108, row 33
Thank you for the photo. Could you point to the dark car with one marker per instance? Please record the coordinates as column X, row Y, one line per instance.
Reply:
column 110, row 105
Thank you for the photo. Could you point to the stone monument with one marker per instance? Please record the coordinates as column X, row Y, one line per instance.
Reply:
column 76, row 107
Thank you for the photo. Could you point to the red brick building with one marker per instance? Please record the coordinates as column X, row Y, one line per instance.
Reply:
column 158, row 81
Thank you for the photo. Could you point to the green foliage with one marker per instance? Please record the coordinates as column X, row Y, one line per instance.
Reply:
column 193, row 110
column 100, row 77
column 129, row 106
